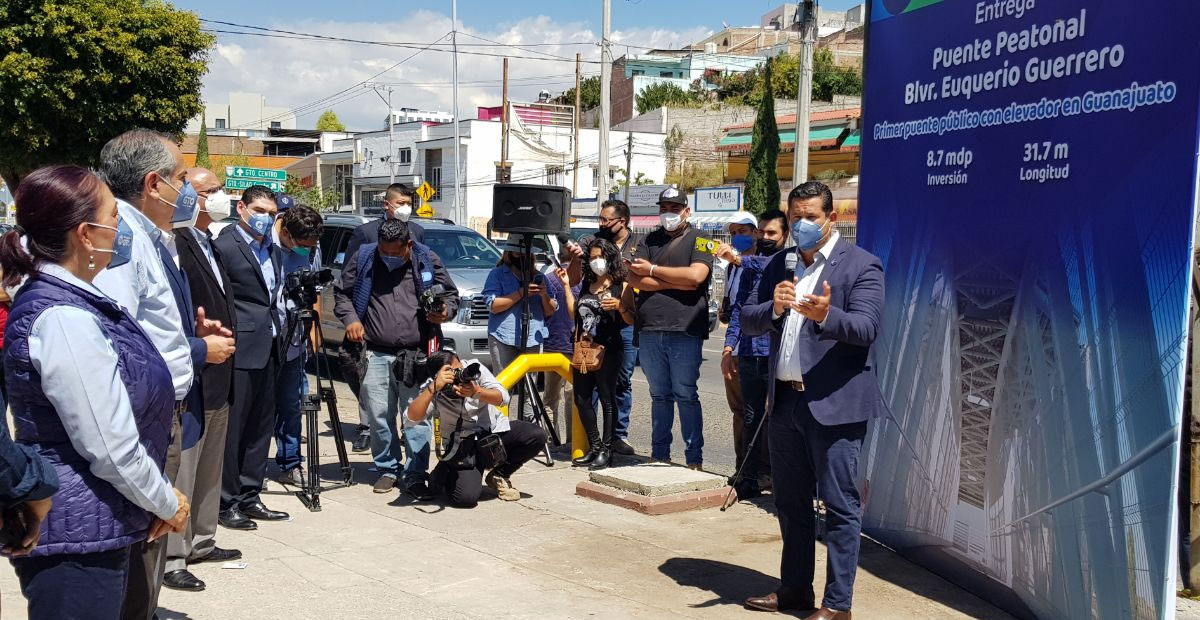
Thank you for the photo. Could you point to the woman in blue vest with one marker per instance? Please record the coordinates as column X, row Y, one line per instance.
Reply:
column 88, row 392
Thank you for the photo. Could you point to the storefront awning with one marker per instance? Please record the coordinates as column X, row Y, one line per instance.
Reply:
column 817, row 137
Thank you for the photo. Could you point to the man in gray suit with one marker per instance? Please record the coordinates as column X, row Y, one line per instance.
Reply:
column 821, row 302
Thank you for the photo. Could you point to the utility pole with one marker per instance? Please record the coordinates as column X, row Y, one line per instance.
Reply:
column 391, row 141
column 808, row 11
column 460, row 219
column 605, row 103
column 575, row 138
column 504, row 176
column 628, row 164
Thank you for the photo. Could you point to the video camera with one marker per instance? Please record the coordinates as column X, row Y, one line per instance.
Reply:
column 300, row 287
column 433, row 299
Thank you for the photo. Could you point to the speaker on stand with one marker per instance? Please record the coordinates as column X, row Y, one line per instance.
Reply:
column 531, row 210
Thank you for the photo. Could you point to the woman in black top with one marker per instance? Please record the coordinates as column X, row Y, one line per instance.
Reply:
column 602, row 306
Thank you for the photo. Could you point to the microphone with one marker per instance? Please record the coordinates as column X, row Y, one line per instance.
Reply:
column 789, row 262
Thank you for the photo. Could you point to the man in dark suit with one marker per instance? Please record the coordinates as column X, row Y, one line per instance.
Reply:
column 201, row 465
column 822, row 318
column 397, row 205
column 252, row 263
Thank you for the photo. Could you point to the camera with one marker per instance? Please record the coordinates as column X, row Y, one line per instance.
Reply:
column 469, row 374
column 300, row 287
column 433, row 299
column 463, row 376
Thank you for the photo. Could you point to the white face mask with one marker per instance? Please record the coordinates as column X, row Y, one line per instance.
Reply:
column 402, row 212
column 218, row 205
column 599, row 266
column 670, row 221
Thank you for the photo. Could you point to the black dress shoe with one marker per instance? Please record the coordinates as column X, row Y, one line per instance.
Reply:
column 182, row 580
column 256, row 510
column 619, row 446
column 219, row 555
column 235, row 520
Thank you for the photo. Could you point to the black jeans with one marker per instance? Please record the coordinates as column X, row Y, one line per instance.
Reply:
column 74, row 586
column 522, row 441
column 752, row 374
column 604, row 383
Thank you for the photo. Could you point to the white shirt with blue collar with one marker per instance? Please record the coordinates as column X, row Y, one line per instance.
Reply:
column 141, row 287
column 789, row 367
column 78, row 368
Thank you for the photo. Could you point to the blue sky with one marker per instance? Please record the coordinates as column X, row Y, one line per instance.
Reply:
column 308, row 75
column 480, row 13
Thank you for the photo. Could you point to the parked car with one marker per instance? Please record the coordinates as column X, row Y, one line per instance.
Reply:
column 468, row 257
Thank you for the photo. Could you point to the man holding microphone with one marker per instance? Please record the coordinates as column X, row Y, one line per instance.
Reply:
column 820, row 302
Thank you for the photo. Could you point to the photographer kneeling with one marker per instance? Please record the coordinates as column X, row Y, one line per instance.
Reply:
column 476, row 435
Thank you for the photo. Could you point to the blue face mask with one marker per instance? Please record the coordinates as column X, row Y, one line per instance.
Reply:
column 302, row 251
column 393, row 262
column 186, row 205
column 807, row 234
column 122, row 249
column 260, row 223
column 742, row 243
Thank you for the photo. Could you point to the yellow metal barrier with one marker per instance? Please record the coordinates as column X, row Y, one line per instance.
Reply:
column 546, row 362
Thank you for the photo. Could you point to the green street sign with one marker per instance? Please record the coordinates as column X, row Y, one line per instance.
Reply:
column 239, row 184
column 258, row 174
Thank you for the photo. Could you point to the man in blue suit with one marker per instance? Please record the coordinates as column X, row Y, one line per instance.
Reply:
column 820, row 301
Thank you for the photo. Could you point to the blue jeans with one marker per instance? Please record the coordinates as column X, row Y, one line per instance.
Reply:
column 289, row 385
column 624, row 390
column 384, row 397
column 671, row 363
column 73, row 586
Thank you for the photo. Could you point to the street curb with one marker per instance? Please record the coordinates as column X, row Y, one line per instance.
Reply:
column 661, row 505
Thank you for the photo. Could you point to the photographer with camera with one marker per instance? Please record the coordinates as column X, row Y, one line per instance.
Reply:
column 466, row 398
column 383, row 287
column 300, row 229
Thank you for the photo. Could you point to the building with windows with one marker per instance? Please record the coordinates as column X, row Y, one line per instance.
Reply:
column 243, row 111
column 634, row 73
column 413, row 115
column 540, row 151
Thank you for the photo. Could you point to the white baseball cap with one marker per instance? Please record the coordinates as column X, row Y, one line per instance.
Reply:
column 742, row 217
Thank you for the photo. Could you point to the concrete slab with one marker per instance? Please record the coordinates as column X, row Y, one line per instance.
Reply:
column 652, row 505
column 657, row 479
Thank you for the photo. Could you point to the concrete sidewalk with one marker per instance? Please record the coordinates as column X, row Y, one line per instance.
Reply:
column 551, row 555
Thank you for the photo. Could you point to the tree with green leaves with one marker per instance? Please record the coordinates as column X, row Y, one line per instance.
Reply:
column 202, row 148
column 762, row 181
column 661, row 94
column 315, row 197
column 589, row 94
column 75, row 73
column 829, row 79
column 328, row 121
column 638, row 179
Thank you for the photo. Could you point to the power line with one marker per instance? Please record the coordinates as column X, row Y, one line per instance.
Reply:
column 323, row 101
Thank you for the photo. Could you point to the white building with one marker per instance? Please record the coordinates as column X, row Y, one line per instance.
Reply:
column 413, row 115
column 243, row 111
column 538, row 153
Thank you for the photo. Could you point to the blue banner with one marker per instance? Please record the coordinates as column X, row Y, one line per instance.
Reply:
column 1029, row 180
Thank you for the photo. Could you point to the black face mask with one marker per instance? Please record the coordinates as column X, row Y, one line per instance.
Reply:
column 606, row 233
column 767, row 247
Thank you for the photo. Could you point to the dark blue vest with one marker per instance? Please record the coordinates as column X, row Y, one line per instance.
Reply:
column 366, row 271
column 89, row 515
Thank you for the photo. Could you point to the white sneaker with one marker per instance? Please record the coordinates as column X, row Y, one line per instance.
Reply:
column 503, row 488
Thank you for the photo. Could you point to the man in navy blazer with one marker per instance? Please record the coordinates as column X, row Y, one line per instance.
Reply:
column 821, row 302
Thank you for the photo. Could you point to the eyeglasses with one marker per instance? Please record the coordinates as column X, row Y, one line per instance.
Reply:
column 609, row 220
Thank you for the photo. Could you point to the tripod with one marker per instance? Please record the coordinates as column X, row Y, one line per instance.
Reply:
column 526, row 384
column 304, row 319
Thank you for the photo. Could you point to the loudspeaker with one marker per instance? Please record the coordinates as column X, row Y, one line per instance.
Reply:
column 537, row 209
